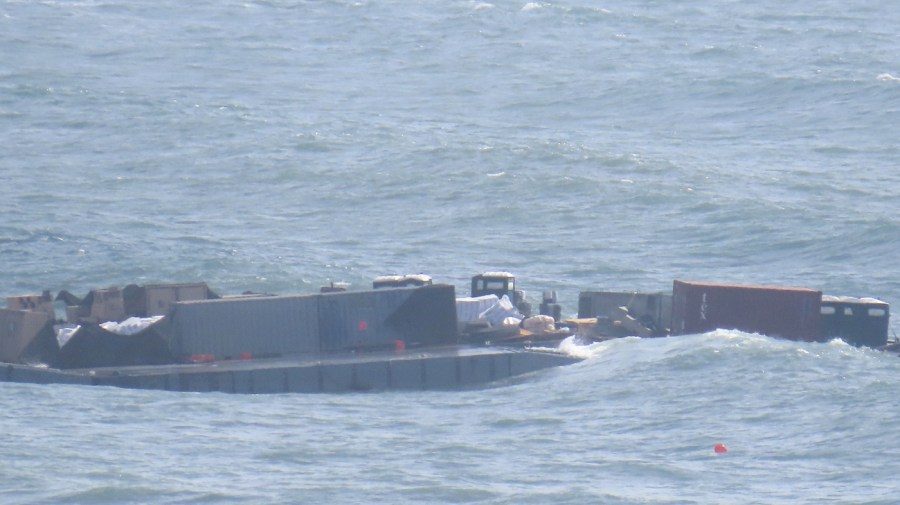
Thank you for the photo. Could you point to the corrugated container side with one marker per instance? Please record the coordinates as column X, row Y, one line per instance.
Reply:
column 346, row 319
column 791, row 313
column 263, row 326
column 367, row 319
column 427, row 317
column 387, row 301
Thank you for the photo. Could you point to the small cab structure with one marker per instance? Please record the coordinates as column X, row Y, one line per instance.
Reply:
column 857, row 321
column 500, row 284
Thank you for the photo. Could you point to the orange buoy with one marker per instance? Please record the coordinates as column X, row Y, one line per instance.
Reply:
column 720, row 449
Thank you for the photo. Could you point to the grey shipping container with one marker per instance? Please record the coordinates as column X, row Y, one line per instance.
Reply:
column 347, row 319
column 261, row 326
column 373, row 319
column 653, row 310
column 791, row 313
column 287, row 325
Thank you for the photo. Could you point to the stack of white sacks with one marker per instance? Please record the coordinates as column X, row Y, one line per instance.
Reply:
column 499, row 312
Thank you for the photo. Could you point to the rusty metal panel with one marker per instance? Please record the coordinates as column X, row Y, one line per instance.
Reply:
column 18, row 329
column 261, row 326
column 653, row 310
column 792, row 313
column 106, row 305
column 37, row 303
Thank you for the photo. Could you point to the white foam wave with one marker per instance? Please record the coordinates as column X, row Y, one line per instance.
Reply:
column 577, row 348
column 714, row 343
column 888, row 77
column 530, row 6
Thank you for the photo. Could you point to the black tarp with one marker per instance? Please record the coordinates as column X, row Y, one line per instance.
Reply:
column 92, row 346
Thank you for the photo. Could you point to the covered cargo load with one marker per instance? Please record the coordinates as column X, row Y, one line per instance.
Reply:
column 791, row 313
column 652, row 310
column 136, row 341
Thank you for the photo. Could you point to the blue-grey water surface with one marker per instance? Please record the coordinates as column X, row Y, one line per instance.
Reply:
column 281, row 145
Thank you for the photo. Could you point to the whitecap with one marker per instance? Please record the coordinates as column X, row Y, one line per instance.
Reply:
column 888, row 77
column 530, row 6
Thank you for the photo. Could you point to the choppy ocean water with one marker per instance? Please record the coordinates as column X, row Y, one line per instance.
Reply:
column 278, row 146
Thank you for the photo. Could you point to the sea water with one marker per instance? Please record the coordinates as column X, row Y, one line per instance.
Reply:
column 278, row 146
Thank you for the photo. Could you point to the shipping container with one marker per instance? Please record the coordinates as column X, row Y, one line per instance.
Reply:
column 347, row 319
column 792, row 313
column 378, row 318
column 426, row 317
column 653, row 310
column 257, row 326
column 857, row 321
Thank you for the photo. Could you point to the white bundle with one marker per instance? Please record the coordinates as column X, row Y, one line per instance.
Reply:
column 500, row 311
column 131, row 325
column 470, row 308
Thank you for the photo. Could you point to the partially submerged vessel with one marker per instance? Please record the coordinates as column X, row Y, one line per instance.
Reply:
column 184, row 337
column 404, row 333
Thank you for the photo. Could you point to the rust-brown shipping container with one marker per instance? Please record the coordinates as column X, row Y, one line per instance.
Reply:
column 792, row 313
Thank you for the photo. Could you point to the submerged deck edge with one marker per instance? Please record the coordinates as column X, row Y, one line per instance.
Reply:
column 414, row 371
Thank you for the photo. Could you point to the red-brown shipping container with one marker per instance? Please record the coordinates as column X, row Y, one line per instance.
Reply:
column 792, row 313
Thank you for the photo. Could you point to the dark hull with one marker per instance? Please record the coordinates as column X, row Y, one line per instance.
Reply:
column 432, row 369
